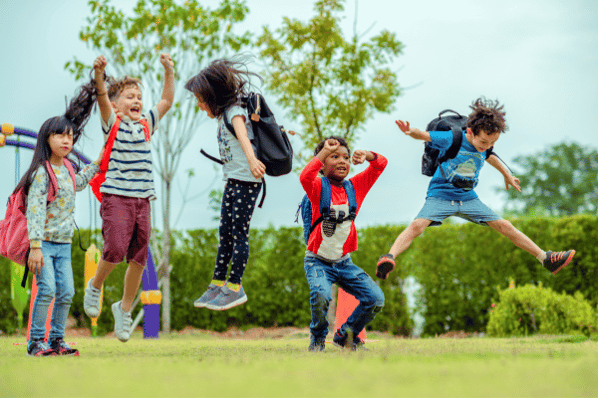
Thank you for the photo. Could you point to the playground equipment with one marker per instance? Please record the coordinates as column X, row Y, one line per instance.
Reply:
column 92, row 257
column 346, row 304
column 18, row 295
column 151, row 297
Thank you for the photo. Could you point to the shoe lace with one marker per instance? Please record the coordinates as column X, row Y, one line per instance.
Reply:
column 556, row 256
column 127, row 321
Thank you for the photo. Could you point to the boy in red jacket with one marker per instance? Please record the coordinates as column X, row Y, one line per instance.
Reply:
column 328, row 255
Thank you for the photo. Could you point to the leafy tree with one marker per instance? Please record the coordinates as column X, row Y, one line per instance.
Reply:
column 193, row 35
column 558, row 181
column 330, row 84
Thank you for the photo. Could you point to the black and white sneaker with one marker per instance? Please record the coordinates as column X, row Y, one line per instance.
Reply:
column 555, row 261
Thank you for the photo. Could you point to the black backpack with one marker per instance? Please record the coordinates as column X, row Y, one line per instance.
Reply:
column 272, row 144
column 455, row 123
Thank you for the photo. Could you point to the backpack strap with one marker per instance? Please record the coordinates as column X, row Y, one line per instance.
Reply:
column 453, row 150
column 52, row 182
column 146, row 130
column 325, row 202
column 109, row 145
column 69, row 167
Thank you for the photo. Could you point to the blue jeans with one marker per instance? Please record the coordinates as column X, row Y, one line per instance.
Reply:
column 54, row 281
column 352, row 279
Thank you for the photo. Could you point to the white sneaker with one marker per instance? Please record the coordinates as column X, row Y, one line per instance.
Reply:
column 122, row 322
column 91, row 301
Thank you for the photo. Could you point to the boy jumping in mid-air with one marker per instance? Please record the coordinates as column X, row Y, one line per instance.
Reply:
column 328, row 256
column 129, row 187
column 451, row 193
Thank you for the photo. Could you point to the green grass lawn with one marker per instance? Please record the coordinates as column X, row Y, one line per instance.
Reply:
column 201, row 365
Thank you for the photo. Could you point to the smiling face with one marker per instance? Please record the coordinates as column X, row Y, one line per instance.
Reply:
column 337, row 165
column 129, row 102
column 61, row 145
column 203, row 106
column 482, row 142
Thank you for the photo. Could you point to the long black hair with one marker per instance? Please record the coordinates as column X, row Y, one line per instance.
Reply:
column 75, row 118
column 222, row 83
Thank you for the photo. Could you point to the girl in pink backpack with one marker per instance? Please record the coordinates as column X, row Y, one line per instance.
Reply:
column 50, row 225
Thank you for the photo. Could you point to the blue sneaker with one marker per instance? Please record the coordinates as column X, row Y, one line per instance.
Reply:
column 209, row 295
column 227, row 299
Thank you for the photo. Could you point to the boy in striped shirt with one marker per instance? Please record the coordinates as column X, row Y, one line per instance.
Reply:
column 129, row 186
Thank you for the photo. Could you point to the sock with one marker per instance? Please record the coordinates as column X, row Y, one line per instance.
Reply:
column 234, row 286
column 218, row 283
column 541, row 257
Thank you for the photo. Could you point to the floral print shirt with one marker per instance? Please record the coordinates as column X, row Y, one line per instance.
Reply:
column 54, row 221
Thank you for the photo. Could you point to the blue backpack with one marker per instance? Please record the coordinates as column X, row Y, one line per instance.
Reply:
column 325, row 200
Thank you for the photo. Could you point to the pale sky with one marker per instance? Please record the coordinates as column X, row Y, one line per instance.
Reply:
column 538, row 57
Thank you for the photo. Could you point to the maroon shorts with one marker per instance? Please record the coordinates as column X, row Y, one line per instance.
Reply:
column 126, row 228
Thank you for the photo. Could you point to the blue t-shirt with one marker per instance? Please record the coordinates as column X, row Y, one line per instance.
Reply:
column 465, row 167
column 231, row 153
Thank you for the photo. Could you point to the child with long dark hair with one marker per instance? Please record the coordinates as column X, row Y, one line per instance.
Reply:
column 218, row 89
column 51, row 225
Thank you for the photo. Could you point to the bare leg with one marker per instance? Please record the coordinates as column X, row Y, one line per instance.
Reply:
column 132, row 282
column 403, row 241
column 104, row 269
column 518, row 238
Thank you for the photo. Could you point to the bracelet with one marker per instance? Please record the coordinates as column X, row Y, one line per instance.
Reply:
column 100, row 94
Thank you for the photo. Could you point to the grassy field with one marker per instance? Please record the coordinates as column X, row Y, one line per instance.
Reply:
column 199, row 365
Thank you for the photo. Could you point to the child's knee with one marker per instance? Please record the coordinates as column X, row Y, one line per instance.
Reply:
column 417, row 227
column 503, row 226
column 321, row 297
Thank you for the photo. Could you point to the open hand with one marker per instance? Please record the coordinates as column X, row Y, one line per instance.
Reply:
column 514, row 181
column 404, row 126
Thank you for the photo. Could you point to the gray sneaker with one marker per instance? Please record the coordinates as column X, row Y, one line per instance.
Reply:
column 122, row 322
column 209, row 295
column 227, row 299
column 91, row 301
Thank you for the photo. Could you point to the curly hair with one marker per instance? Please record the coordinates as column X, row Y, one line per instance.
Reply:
column 222, row 83
column 487, row 115
column 116, row 87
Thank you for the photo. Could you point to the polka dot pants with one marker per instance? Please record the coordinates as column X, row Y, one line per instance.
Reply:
column 238, row 203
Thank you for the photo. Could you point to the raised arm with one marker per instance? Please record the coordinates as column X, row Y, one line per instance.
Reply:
column 99, row 65
column 412, row 131
column 168, row 90
column 509, row 179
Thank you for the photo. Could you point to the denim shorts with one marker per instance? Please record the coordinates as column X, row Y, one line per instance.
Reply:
column 472, row 210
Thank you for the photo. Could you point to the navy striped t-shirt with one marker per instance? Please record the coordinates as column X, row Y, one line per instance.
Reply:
column 130, row 167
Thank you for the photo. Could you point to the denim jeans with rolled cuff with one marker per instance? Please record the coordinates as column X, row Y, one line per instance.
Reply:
column 352, row 279
column 54, row 282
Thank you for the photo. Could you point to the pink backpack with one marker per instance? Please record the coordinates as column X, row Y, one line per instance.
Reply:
column 14, row 237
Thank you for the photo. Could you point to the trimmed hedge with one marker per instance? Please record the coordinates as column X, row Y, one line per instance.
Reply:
column 461, row 268
column 533, row 309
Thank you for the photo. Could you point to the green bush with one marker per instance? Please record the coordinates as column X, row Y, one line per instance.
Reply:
column 532, row 309
column 457, row 265
column 460, row 265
